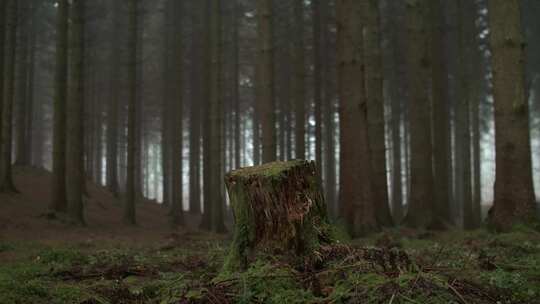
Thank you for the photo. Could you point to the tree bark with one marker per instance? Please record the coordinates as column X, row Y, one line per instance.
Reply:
column 75, row 116
column 463, row 134
column 195, row 111
column 265, row 81
column 112, row 112
column 318, row 49
column 129, row 204
column 21, row 158
column 356, row 189
column 278, row 207
column 6, row 178
column 441, row 119
column 328, row 109
column 175, row 81
column 420, row 212
column 59, row 202
column 299, row 81
column 375, row 110
column 3, row 26
column 514, row 194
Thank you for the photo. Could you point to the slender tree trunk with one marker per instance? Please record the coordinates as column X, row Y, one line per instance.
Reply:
column 420, row 212
column 29, row 115
column 356, row 190
column 208, row 204
column 75, row 116
column 59, row 202
column 463, row 134
column 265, row 81
column 22, row 159
column 195, row 111
column 216, row 120
column 3, row 26
column 175, row 80
column 165, row 111
column 328, row 110
column 375, row 110
column 6, row 177
column 318, row 87
column 236, row 84
column 112, row 113
column 514, row 193
column 129, row 205
column 441, row 118
column 140, row 126
column 395, row 97
column 299, row 81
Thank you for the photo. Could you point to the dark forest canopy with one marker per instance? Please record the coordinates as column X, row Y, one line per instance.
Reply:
column 418, row 113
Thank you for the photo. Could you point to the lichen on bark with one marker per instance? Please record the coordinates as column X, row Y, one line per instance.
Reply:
column 279, row 209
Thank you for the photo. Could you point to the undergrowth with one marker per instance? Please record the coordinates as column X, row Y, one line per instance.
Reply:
column 396, row 266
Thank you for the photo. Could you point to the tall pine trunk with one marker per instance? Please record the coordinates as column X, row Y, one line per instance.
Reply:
column 355, row 190
column 298, row 87
column 75, row 116
column 175, row 81
column 113, row 107
column 6, row 174
column 215, row 120
column 59, row 202
column 441, row 117
column 375, row 110
column 514, row 194
column 420, row 212
column 21, row 158
column 265, row 80
column 195, row 111
column 129, row 205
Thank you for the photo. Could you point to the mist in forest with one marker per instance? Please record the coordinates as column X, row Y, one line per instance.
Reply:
column 188, row 149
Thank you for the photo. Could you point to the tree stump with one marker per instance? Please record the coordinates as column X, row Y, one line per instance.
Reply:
column 278, row 208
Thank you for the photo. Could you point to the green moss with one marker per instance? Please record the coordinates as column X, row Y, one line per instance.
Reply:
column 263, row 282
column 269, row 169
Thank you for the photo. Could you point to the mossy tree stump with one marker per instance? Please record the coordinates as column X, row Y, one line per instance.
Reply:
column 279, row 209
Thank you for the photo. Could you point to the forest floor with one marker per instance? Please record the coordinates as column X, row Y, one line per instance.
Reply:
column 44, row 260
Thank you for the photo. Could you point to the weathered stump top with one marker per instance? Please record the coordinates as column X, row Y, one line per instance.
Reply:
column 278, row 208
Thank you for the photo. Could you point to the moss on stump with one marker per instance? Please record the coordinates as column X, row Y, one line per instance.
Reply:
column 279, row 209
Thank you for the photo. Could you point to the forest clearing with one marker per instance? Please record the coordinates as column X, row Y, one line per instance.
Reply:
column 46, row 261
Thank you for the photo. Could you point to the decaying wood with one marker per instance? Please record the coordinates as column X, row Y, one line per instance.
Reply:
column 278, row 208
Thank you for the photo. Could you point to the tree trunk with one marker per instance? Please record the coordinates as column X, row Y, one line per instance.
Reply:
column 356, row 195
column 318, row 49
column 3, row 8
column 463, row 134
column 112, row 113
column 75, row 116
column 22, row 159
column 29, row 117
column 375, row 110
column 265, row 81
column 420, row 212
column 299, row 81
column 215, row 160
column 236, row 82
column 59, row 202
column 175, row 81
column 195, row 111
column 328, row 109
column 278, row 207
column 6, row 177
column 129, row 205
column 165, row 110
column 514, row 193
column 441, row 119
